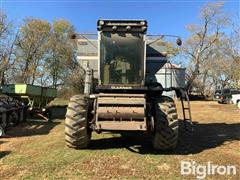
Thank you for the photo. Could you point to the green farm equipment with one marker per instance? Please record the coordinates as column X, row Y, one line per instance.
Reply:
column 34, row 96
column 28, row 99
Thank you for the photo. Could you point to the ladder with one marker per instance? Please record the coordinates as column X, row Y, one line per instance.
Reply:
column 187, row 116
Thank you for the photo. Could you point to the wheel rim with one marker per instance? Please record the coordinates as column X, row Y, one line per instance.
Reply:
column 13, row 118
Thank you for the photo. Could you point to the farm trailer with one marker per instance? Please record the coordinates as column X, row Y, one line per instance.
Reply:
column 32, row 98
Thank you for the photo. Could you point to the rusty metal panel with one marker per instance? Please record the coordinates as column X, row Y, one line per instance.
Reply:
column 122, row 125
column 123, row 113
column 121, row 95
column 121, row 100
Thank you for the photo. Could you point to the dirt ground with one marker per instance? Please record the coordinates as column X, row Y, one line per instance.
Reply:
column 36, row 150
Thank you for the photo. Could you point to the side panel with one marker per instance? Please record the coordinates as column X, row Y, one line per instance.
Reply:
column 29, row 90
column 87, row 52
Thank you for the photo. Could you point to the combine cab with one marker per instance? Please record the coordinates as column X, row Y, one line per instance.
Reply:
column 127, row 96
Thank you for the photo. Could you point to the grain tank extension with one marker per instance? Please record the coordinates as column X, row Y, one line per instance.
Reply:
column 123, row 95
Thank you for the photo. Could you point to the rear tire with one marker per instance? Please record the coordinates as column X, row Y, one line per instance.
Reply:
column 166, row 124
column 77, row 132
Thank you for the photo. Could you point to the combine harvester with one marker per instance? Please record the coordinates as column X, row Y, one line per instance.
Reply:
column 123, row 91
column 24, row 100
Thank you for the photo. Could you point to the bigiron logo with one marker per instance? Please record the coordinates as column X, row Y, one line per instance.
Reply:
column 203, row 170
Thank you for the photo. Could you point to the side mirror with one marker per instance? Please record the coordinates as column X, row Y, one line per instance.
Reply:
column 179, row 42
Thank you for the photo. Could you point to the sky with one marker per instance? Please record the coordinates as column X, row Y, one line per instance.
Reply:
column 164, row 17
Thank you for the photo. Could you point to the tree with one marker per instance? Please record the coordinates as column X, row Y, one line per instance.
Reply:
column 61, row 56
column 32, row 47
column 224, row 63
column 203, row 39
column 7, row 47
column 232, row 50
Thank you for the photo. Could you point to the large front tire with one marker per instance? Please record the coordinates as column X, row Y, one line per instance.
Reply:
column 166, row 124
column 77, row 132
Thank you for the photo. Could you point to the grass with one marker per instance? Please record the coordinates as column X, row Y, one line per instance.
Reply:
column 47, row 157
column 37, row 150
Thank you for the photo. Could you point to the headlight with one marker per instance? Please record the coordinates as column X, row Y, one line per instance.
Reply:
column 101, row 23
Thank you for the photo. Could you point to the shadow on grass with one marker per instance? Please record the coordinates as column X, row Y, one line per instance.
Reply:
column 28, row 128
column 32, row 127
column 205, row 136
column 1, row 142
column 58, row 112
column 4, row 153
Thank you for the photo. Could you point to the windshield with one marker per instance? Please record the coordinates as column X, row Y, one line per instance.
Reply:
column 121, row 58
